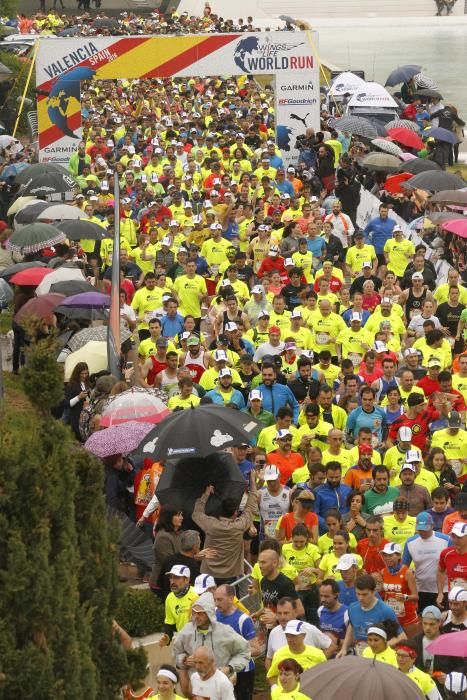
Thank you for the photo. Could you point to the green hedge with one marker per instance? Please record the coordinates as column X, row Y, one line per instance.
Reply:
column 140, row 613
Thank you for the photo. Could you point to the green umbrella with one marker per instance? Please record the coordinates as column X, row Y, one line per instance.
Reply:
column 34, row 237
column 39, row 169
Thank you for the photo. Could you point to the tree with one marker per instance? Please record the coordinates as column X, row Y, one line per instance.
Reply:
column 58, row 555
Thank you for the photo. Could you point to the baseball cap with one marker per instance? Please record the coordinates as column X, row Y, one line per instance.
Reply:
column 179, row 570
column 405, row 434
column 231, row 326
column 296, row 314
column 458, row 593
column 202, row 583
column 271, row 473
column 257, row 289
column 391, row 548
column 162, row 342
column 424, row 522
column 456, row 682
column 380, row 346
column 396, row 228
column 274, row 329
column 408, row 466
column 459, row 529
column 412, row 456
column 415, row 399
column 273, row 250
column 410, row 351
column 431, row 611
column 263, row 314
column 367, row 263
column 220, row 355
column 355, row 317
column 365, row 450
column 166, row 241
column 291, row 345
column 433, row 362
column 346, row 561
column 289, row 261
column 225, row 372
column 417, row 276
column 255, row 395
column 296, row 627
column 454, row 420
column 194, row 340
column 281, row 434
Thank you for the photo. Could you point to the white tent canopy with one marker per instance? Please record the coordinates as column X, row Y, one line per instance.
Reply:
column 372, row 95
column 346, row 82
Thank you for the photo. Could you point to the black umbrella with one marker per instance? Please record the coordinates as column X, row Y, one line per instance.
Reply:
column 450, row 197
column 39, row 169
column 429, row 92
column 381, row 129
column 72, row 287
column 434, row 181
column 355, row 678
column 18, row 267
column 418, row 165
column 70, row 31
column 198, row 432
column 402, row 74
column 135, row 545
column 182, row 482
column 77, row 229
column 72, row 312
column 29, row 213
column 49, row 183
column 105, row 23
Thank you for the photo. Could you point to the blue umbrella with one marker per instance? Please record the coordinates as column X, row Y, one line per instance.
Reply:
column 402, row 74
column 441, row 134
column 13, row 170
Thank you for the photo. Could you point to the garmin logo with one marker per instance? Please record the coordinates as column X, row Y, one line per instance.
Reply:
column 306, row 86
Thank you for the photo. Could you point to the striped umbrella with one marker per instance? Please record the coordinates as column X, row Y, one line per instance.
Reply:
column 402, row 124
column 357, row 125
column 388, row 147
column 136, row 404
column 423, row 82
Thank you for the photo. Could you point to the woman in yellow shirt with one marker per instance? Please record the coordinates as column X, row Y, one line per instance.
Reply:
column 166, row 681
column 305, row 557
column 288, row 687
column 378, row 648
column 341, row 545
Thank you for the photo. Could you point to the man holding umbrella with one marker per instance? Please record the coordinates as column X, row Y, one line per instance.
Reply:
column 225, row 533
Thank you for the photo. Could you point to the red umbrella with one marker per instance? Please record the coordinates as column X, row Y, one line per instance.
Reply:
column 393, row 183
column 136, row 404
column 40, row 307
column 406, row 137
column 457, row 226
column 31, row 277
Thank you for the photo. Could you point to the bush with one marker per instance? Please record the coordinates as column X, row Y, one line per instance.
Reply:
column 140, row 613
column 17, row 66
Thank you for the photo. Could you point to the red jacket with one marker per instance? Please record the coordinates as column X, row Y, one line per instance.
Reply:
column 273, row 264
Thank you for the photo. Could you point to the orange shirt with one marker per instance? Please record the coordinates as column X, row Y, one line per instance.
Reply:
column 286, row 465
column 356, row 476
column 287, row 523
column 406, row 611
column 449, row 521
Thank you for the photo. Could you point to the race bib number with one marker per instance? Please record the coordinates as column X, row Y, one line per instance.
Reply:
column 322, row 338
column 396, row 605
column 303, row 581
column 355, row 358
column 270, row 528
column 457, row 466
column 148, row 316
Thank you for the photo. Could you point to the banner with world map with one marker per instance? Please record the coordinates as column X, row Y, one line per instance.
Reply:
column 62, row 64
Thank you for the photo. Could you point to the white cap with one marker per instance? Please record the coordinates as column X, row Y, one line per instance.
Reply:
column 296, row 314
column 255, row 395
column 188, row 205
column 257, row 289
column 412, row 456
column 288, row 261
column 367, row 263
column 410, row 351
column 225, row 372
column 230, row 327
column 220, row 356
column 386, row 300
column 264, row 314
column 296, row 627
column 197, row 219
column 391, row 548
column 173, row 223
column 409, row 466
column 459, row 529
column 417, row 276
column 282, row 433
column 214, row 193
column 456, row 682
column 215, row 227
column 166, row 241
column 346, row 561
column 179, row 570
column 380, row 346
column 355, row 317
column 405, row 433
column 397, row 228
column 202, row 583
column 458, row 593
column 271, row 473
column 273, row 250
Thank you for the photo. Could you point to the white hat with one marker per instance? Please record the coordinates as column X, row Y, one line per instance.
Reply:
column 459, row 529
column 166, row 241
column 215, row 227
column 458, row 593
column 255, row 395
column 231, row 326
column 397, row 228
column 410, row 351
column 220, row 356
column 391, row 548
column 346, row 561
column 257, row 289
column 296, row 627
column 367, row 263
column 271, row 473
column 173, row 223
column 282, row 434
column 412, row 456
column 264, row 314
column 288, row 261
column 225, row 372
column 179, row 570
column 296, row 314
column 417, row 276
column 386, row 300
column 355, row 317
column 291, row 170
column 456, row 682
column 197, row 219
column 380, row 346
column 202, row 583
column 273, row 250
column 405, row 434
column 188, row 205
column 406, row 465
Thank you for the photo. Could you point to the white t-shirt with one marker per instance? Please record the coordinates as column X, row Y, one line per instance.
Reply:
column 425, row 556
column 218, row 687
column 271, row 508
column 314, row 638
column 268, row 349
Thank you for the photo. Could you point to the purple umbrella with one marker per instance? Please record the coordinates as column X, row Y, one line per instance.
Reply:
column 88, row 300
column 118, row 439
